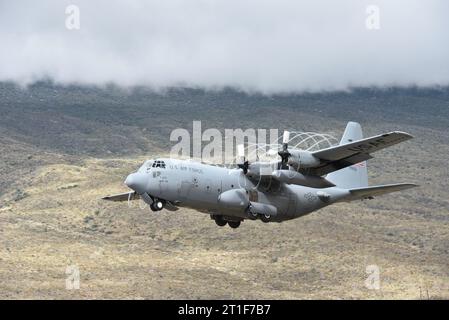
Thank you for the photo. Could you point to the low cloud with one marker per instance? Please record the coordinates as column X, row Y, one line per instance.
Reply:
column 255, row 45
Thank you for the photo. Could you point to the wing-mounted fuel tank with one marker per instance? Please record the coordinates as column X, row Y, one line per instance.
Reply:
column 294, row 177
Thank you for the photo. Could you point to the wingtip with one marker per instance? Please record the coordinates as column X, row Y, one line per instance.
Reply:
column 410, row 185
column 405, row 134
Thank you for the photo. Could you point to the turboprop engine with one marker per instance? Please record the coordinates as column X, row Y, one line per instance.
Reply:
column 296, row 158
column 302, row 159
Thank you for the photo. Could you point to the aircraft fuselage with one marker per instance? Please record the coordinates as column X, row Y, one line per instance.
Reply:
column 202, row 186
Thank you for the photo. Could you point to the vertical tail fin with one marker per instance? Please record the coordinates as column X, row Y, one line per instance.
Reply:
column 355, row 176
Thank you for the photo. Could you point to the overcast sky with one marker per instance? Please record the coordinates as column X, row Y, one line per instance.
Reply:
column 269, row 46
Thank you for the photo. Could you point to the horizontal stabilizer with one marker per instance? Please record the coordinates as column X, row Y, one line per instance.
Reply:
column 369, row 192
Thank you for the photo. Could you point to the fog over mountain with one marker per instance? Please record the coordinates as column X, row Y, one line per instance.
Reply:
column 254, row 45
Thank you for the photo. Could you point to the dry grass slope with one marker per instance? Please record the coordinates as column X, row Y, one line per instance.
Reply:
column 73, row 146
column 126, row 252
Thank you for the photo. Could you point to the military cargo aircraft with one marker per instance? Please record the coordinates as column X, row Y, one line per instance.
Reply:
column 299, row 183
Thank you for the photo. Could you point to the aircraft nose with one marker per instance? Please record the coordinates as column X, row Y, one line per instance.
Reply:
column 137, row 182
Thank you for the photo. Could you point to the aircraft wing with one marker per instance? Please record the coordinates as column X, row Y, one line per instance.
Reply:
column 122, row 196
column 345, row 155
column 369, row 192
column 132, row 195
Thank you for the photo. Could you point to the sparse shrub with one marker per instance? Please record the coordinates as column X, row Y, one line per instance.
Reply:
column 19, row 195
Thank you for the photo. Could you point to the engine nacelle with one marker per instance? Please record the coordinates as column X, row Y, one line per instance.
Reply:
column 302, row 159
column 293, row 177
column 260, row 169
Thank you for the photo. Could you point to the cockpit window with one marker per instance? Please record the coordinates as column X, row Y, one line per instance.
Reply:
column 146, row 167
column 159, row 164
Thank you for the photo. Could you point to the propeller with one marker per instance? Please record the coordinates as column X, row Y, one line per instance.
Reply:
column 284, row 154
column 244, row 165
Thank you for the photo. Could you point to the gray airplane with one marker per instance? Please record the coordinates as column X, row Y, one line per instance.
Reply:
column 299, row 183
